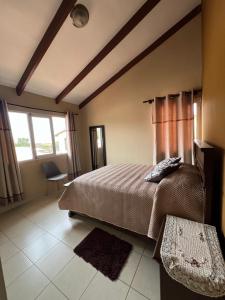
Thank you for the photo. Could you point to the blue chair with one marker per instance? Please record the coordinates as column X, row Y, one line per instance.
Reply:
column 53, row 174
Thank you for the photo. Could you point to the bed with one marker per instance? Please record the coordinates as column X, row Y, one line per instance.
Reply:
column 118, row 194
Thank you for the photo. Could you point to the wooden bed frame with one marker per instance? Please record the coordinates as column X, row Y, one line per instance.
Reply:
column 208, row 160
column 204, row 160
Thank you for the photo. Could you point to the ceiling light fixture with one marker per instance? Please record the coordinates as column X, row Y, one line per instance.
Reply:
column 79, row 15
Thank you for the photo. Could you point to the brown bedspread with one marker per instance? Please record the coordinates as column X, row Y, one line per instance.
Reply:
column 118, row 194
column 179, row 194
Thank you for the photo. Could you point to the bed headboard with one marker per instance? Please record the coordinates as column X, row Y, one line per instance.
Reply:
column 208, row 160
column 204, row 159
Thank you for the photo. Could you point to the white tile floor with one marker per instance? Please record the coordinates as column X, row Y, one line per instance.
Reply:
column 36, row 248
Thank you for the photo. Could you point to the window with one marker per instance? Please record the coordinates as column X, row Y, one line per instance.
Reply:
column 197, row 108
column 195, row 120
column 59, row 128
column 42, row 135
column 99, row 138
column 21, row 135
column 37, row 135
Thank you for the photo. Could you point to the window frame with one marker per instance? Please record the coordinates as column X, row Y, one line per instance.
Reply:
column 32, row 137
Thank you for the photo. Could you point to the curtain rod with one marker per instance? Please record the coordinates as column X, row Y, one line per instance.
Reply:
column 150, row 101
column 59, row 112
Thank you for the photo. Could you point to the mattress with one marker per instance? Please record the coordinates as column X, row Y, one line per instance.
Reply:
column 116, row 194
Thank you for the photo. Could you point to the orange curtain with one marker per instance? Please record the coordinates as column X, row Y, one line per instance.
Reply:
column 173, row 124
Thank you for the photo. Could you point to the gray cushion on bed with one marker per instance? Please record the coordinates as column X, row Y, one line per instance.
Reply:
column 170, row 160
column 163, row 168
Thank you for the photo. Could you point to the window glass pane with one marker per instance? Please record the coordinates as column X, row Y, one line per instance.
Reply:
column 195, row 109
column 99, row 137
column 21, row 135
column 59, row 127
column 42, row 135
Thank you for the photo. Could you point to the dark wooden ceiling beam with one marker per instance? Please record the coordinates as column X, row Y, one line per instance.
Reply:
column 53, row 28
column 123, row 32
column 144, row 53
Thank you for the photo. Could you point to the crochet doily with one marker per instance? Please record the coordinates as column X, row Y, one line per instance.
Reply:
column 191, row 254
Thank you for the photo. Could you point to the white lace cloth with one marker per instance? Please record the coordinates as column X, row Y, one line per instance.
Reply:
column 191, row 254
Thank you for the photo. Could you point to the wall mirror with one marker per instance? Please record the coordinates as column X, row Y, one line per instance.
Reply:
column 98, row 149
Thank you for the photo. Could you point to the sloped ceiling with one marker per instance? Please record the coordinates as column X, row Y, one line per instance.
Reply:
column 23, row 23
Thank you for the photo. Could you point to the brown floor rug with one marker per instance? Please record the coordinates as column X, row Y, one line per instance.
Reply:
column 105, row 252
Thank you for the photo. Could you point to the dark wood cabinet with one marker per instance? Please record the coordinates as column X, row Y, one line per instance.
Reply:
column 170, row 289
column 3, row 295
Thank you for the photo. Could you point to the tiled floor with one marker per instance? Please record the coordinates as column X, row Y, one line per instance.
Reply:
column 36, row 249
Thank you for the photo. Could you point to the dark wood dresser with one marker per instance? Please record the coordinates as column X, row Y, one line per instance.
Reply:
column 3, row 295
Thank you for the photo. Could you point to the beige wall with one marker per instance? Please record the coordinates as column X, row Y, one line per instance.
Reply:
column 214, row 77
column 174, row 66
column 34, row 183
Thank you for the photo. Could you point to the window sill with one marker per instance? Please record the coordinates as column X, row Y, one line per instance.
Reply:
column 44, row 157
